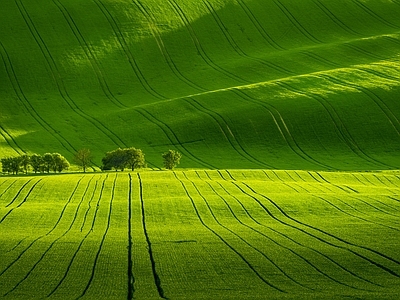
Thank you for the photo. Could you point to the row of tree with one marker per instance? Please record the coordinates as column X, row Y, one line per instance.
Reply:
column 39, row 163
column 133, row 158
column 118, row 159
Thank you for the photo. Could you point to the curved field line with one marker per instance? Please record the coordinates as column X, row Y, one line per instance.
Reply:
column 298, row 243
column 11, row 141
column 52, row 244
column 282, row 127
column 347, row 243
column 352, row 215
column 48, row 233
column 131, row 277
column 102, row 240
column 235, row 46
column 168, row 133
column 328, row 182
column 59, row 82
column 258, row 26
column 375, row 208
column 237, row 235
column 5, row 191
column 80, row 244
column 23, row 201
column 233, row 141
column 164, row 51
column 334, row 18
column 28, row 106
column 90, row 201
column 284, row 183
column 385, row 204
column 337, row 121
column 124, row 45
column 89, row 54
column 18, row 193
column 296, row 23
column 157, row 280
column 374, row 97
column 374, row 14
column 185, row 21
column 223, row 240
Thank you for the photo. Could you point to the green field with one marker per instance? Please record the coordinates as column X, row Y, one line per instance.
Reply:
column 239, row 234
column 278, row 84
column 287, row 116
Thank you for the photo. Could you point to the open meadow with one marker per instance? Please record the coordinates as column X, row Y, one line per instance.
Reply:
column 239, row 234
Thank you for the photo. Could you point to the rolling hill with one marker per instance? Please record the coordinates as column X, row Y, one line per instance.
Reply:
column 284, row 84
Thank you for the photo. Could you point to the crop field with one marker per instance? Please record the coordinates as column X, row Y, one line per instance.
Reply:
column 270, row 84
column 201, row 234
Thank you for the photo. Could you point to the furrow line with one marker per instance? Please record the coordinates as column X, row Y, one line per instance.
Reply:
column 199, row 47
column 296, row 23
column 375, row 208
column 352, row 215
column 280, row 179
column 18, row 193
column 231, row 138
column 102, row 240
column 282, row 127
column 131, row 277
column 75, row 253
column 258, row 26
column 52, row 244
column 89, row 54
column 326, row 181
column 157, row 280
column 23, row 201
column 251, row 228
column 307, row 261
column 89, row 203
column 320, row 59
column 48, row 233
column 9, row 187
column 168, row 133
column 334, row 18
column 164, row 51
column 385, row 204
column 60, row 84
column 373, row 14
column 242, row 239
column 347, row 243
column 11, row 141
column 235, row 46
column 26, row 103
column 337, row 121
column 224, row 241
column 374, row 97
column 124, row 45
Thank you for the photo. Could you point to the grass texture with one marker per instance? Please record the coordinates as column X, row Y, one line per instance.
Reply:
column 228, row 234
column 277, row 84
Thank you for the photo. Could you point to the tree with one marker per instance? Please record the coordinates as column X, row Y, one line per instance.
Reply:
column 83, row 158
column 117, row 159
column 36, row 162
column 60, row 163
column 135, row 158
column 48, row 162
column 171, row 159
column 25, row 162
column 6, row 165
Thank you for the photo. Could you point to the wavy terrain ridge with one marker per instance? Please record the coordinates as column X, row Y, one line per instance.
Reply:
column 228, row 83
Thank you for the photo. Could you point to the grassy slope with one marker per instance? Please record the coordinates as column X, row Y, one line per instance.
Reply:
column 230, row 84
column 239, row 234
